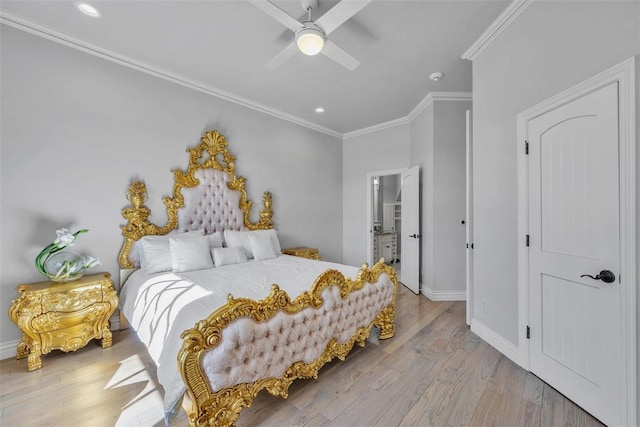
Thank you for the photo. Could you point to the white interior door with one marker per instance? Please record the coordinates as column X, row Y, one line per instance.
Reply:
column 410, row 238
column 574, row 223
column 469, row 216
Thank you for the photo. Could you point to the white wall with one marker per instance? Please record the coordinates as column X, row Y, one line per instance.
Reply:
column 422, row 134
column 75, row 129
column 449, row 197
column 438, row 147
column 376, row 151
column 390, row 188
column 550, row 47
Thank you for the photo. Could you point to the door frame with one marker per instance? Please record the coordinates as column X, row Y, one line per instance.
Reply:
column 469, row 214
column 369, row 231
column 625, row 75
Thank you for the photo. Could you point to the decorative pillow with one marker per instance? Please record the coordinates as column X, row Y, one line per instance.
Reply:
column 216, row 240
column 190, row 254
column 238, row 239
column 224, row 256
column 235, row 239
column 262, row 246
column 274, row 239
column 156, row 252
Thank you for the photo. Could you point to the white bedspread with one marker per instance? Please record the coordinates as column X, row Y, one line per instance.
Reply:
column 161, row 306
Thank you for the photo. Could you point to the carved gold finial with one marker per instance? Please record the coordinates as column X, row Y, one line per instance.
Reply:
column 137, row 194
column 266, row 213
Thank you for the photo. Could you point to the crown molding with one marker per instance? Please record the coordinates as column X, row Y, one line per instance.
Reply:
column 375, row 128
column 515, row 8
column 64, row 39
column 426, row 101
column 438, row 96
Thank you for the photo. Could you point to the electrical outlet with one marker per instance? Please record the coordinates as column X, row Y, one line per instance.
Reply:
column 483, row 305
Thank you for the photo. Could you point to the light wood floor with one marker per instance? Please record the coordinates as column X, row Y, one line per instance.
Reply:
column 434, row 372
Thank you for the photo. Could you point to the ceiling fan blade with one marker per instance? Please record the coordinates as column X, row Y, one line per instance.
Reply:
column 283, row 56
column 339, row 13
column 338, row 54
column 278, row 14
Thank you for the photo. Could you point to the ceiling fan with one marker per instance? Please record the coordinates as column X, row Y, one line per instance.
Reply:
column 311, row 36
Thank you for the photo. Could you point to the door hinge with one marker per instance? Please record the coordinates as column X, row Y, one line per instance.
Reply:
column 528, row 332
column 526, row 147
column 527, row 241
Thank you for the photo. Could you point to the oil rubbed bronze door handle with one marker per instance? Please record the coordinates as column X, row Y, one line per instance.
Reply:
column 605, row 275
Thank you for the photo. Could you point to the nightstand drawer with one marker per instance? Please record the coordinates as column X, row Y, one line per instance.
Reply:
column 68, row 339
column 72, row 300
column 58, row 320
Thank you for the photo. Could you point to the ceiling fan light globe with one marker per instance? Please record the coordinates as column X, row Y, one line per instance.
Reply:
column 310, row 40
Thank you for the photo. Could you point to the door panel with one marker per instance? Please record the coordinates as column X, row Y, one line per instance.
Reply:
column 568, row 311
column 410, row 240
column 574, row 228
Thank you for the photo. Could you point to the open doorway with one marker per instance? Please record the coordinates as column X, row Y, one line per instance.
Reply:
column 393, row 214
column 386, row 211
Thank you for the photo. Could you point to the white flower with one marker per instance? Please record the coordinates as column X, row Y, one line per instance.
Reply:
column 89, row 261
column 65, row 238
column 67, row 269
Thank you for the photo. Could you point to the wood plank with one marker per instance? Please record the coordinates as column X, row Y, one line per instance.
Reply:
column 531, row 408
column 552, row 407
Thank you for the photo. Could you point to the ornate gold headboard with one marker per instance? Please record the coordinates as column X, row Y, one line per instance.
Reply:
column 212, row 190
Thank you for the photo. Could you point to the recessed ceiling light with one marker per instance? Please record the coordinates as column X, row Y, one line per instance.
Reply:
column 319, row 110
column 436, row 76
column 88, row 10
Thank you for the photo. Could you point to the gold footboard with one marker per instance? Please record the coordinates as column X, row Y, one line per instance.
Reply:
column 222, row 407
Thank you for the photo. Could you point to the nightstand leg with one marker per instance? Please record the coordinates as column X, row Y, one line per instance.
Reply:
column 23, row 349
column 34, row 361
column 107, row 337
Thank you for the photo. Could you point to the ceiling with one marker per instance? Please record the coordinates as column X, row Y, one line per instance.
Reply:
column 223, row 46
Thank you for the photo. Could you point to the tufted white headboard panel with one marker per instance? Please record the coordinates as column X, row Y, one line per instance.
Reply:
column 201, row 200
column 210, row 206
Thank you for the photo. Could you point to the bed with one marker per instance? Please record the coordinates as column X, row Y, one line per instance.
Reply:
column 223, row 313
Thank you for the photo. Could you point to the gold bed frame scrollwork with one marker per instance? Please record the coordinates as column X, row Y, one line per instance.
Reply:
column 212, row 152
column 222, row 407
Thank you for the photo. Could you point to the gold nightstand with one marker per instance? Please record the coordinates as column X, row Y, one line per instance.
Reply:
column 63, row 316
column 311, row 253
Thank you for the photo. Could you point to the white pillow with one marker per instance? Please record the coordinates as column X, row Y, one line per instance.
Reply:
column 224, row 256
column 190, row 254
column 155, row 256
column 238, row 239
column 156, row 252
column 274, row 238
column 234, row 239
column 262, row 246
column 216, row 240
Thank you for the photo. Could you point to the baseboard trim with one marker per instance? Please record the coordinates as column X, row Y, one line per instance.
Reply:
column 496, row 340
column 442, row 295
column 8, row 348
